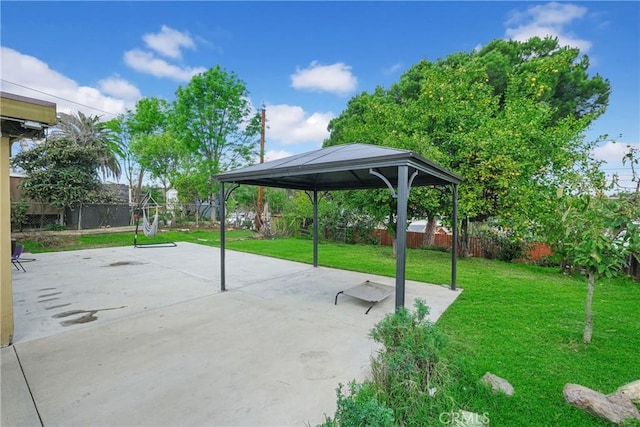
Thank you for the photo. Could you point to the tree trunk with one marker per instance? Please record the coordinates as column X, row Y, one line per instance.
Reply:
column 214, row 214
column 164, row 217
column 430, row 233
column 80, row 217
column 588, row 318
column 394, row 245
column 466, row 239
column 392, row 230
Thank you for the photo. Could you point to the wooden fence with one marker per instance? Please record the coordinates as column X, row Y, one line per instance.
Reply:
column 478, row 247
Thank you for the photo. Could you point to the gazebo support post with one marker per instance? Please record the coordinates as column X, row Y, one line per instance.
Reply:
column 315, row 228
column 401, row 233
column 223, row 201
column 454, row 238
column 343, row 167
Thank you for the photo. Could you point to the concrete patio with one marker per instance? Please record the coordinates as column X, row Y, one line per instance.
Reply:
column 143, row 337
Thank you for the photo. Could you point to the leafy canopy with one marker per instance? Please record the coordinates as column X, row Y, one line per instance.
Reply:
column 212, row 117
column 59, row 172
column 509, row 118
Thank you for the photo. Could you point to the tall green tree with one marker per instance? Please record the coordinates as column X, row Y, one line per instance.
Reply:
column 508, row 118
column 150, row 117
column 89, row 131
column 594, row 232
column 212, row 117
column 133, row 172
column 154, row 147
column 60, row 172
column 139, row 132
column 561, row 75
column 162, row 156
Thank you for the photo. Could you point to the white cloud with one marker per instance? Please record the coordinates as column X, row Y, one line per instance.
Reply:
column 336, row 78
column 549, row 14
column 31, row 77
column 613, row 152
column 119, row 87
column 147, row 62
column 169, row 42
column 550, row 19
column 289, row 124
column 392, row 69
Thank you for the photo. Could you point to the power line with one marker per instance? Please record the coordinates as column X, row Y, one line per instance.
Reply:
column 58, row 97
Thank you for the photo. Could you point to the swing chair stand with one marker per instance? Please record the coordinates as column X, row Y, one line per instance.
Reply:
column 151, row 245
column 150, row 230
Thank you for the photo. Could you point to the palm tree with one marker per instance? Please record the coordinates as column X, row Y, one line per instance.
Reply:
column 87, row 130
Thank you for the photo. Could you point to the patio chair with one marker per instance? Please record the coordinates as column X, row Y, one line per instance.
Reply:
column 15, row 257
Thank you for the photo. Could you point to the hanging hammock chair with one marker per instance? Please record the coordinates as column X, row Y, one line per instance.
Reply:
column 149, row 229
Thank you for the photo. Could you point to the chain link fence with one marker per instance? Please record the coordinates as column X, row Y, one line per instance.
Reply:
column 34, row 216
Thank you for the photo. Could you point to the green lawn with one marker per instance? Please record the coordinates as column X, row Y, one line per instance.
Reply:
column 51, row 242
column 521, row 322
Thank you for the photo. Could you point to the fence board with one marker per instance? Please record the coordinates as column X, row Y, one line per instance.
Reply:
column 478, row 247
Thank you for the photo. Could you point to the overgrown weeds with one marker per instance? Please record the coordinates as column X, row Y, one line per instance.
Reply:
column 360, row 407
column 39, row 242
column 412, row 382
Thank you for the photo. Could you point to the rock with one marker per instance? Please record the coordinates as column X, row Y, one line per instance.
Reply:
column 614, row 408
column 497, row 383
column 631, row 390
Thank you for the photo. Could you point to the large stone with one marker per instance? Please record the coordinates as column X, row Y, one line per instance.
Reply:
column 497, row 383
column 631, row 390
column 614, row 408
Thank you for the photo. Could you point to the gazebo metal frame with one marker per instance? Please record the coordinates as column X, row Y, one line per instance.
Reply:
column 349, row 167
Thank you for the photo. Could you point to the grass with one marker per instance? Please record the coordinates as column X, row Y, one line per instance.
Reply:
column 518, row 321
column 521, row 322
column 61, row 241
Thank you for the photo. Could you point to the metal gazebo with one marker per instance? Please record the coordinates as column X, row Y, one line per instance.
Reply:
column 349, row 167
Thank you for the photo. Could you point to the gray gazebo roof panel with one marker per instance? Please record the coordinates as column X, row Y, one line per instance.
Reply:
column 341, row 167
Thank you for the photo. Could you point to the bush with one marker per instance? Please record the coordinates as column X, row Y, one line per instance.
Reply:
column 506, row 246
column 360, row 408
column 410, row 370
column 346, row 225
column 413, row 383
column 19, row 214
column 47, row 241
column 289, row 225
column 54, row 227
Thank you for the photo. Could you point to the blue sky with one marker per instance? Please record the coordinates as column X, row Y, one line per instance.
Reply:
column 302, row 60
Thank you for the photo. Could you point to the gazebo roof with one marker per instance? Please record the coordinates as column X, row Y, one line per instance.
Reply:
column 341, row 167
column 349, row 167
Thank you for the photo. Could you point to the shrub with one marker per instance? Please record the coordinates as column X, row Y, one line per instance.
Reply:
column 346, row 225
column 506, row 246
column 413, row 383
column 44, row 241
column 360, row 408
column 410, row 370
column 19, row 214
column 289, row 225
column 54, row 226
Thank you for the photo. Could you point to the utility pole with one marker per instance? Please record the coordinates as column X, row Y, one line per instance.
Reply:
column 259, row 223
